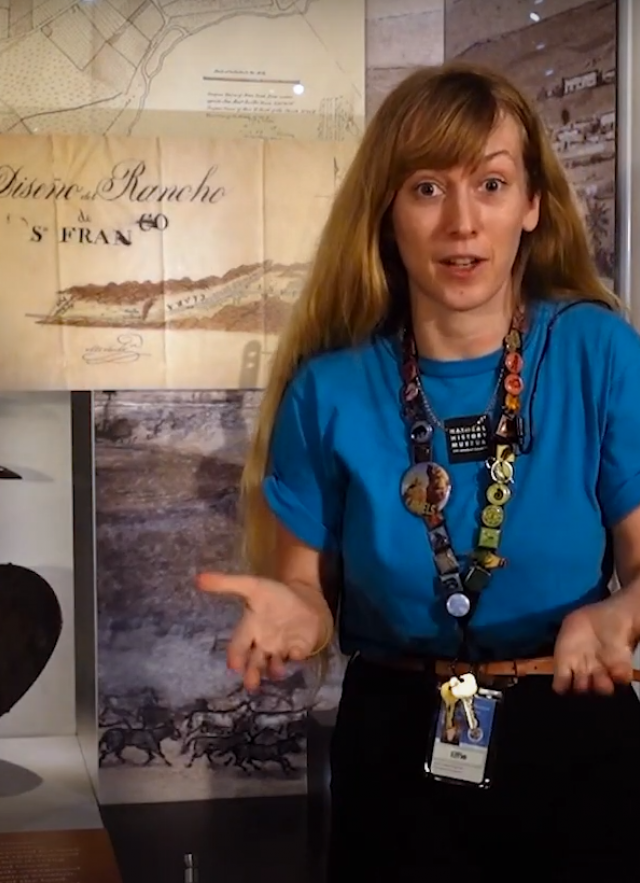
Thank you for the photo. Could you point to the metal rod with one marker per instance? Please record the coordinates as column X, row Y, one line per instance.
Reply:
column 627, row 145
column 191, row 868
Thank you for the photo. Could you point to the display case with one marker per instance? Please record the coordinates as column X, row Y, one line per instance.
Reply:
column 129, row 474
column 49, row 815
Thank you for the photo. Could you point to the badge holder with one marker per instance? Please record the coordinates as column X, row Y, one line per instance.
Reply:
column 463, row 741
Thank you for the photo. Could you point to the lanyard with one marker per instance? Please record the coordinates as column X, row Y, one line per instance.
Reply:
column 426, row 485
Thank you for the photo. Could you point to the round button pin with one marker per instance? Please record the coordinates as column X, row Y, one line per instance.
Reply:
column 514, row 363
column 458, row 605
column 514, row 384
column 498, row 494
column 421, row 432
column 425, row 489
column 492, row 516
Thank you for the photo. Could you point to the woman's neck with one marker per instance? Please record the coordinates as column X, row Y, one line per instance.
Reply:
column 448, row 335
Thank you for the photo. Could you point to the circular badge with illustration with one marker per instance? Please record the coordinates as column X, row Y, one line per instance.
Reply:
column 426, row 489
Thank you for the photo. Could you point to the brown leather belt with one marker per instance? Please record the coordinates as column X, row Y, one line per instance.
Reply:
column 514, row 668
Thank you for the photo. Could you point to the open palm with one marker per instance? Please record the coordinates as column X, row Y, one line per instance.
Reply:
column 278, row 625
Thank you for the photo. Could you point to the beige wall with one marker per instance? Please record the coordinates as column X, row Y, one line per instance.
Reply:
column 400, row 35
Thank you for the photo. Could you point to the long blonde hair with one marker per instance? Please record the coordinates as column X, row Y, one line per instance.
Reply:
column 437, row 118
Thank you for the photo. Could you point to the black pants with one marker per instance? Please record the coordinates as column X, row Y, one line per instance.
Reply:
column 563, row 803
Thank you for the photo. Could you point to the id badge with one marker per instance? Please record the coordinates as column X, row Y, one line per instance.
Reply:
column 459, row 753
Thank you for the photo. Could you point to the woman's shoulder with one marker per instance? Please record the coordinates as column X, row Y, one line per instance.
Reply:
column 589, row 325
column 345, row 367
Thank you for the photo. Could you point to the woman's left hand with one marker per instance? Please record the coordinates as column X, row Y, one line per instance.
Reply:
column 595, row 646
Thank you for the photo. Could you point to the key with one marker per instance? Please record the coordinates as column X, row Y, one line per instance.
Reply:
column 464, row 691
column 450, row 702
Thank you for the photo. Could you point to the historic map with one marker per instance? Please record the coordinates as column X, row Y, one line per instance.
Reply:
column 132, row 263
column 209, row 68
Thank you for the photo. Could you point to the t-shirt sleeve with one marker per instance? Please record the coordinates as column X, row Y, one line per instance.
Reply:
column 619, row 478
column 304, row 485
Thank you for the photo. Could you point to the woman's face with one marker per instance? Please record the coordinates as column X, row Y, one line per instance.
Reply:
column 458, row 231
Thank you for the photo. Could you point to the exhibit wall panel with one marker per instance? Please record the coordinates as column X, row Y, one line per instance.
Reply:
column 36, row 531
column 563, row 54
column 174, row 723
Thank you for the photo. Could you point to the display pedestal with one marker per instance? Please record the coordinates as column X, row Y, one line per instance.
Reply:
column 51, row 830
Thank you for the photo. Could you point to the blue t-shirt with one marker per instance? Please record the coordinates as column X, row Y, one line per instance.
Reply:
column 339, row 450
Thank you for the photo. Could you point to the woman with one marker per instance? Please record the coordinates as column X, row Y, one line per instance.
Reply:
column 454, row 330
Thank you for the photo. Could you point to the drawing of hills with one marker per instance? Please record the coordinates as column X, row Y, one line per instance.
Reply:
column 249, row 298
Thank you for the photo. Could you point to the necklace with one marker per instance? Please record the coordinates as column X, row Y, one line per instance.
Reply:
column 426, row 486
column 468, row 438
column 444, row 424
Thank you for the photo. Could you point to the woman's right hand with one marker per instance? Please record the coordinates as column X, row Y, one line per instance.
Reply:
column 278, row 625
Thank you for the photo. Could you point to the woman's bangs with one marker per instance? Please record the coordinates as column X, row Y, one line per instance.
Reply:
column 449, row 134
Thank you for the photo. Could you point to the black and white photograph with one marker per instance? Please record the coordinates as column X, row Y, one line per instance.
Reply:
column 175, row 723
column 563, row 54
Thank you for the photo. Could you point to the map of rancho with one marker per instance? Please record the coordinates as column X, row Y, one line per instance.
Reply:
column 210, row 68
column 133, row 263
